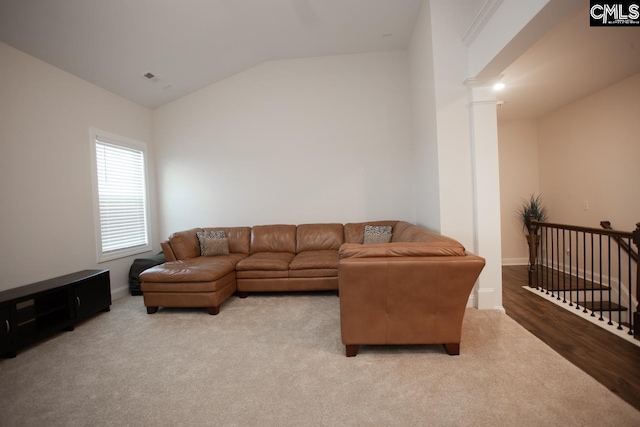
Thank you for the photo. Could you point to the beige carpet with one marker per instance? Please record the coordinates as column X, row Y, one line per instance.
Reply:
column 277, row 360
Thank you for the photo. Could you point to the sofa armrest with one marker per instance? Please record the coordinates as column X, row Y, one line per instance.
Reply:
column 405, row 300
column 169, row 255
column 401, row 249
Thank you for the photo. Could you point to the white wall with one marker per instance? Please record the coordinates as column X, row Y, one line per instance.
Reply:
column 295, row 141
column 518, row 144
column 424, row 129
column 452, row 121
column 46, row 219
column 441, row 138
column 589, row 152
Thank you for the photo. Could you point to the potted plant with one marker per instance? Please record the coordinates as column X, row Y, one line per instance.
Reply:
column 532, row 209
column 529, row 209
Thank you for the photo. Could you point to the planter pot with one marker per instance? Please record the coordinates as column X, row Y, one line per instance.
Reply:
column 534, row 243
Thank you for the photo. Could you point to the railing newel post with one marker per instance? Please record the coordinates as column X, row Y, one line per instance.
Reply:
column 533, row 239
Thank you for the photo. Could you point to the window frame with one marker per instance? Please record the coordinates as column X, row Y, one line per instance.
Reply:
column 128, row 143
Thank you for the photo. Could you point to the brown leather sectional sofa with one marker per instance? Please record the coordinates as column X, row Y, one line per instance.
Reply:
column 413, row 290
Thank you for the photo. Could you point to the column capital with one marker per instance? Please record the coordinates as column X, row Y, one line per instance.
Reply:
column 481, row 90
column 484, row 81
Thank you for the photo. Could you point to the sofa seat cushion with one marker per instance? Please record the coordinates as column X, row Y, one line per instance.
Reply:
column 200, row 269
column 315, row 260
column 193, row 289
column 266, row 261
column 315, row 264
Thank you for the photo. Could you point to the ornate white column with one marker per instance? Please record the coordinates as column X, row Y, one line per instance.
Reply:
column 486, row 187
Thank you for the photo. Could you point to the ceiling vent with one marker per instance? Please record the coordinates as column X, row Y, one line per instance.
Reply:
column 150, row 76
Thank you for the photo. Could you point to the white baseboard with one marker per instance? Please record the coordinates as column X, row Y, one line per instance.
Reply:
column 119, row 292
column 471, row 302
column 485, row 298
column 500, row 309
column 515, row 261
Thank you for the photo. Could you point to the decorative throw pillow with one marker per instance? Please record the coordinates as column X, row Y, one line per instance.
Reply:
column 377, row 234
column 213, row 243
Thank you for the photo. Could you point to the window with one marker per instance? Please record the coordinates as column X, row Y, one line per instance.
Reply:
column 120, row 195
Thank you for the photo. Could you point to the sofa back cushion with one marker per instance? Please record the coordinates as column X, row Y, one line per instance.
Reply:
column 239, row 238
column 273, row 238
column 185, row 244
column 319, row 237
column 354, row 232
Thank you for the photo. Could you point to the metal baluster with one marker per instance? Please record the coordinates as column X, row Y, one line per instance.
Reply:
column 541, row 262
column 601, row 290
column 593, row 287
column 570, row 269
column 546, row 269
column 584, row 271
column 564, row 274
column 635, row 311
column 609, row 277
column 545, row 277
column 554, row 255
column 619, row 286
column 629, row 244
column 578, row 270
column 558, row 257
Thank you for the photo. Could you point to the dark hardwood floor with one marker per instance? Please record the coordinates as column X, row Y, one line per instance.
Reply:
column 611, row 360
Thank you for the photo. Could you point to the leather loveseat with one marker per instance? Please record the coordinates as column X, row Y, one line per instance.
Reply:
column 412, row 289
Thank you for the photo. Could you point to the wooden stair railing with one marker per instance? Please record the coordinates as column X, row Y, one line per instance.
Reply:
column 590, row 272
column 633, row 254
column 624, row 245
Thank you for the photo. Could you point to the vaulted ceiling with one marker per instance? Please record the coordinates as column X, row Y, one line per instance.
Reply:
column 189, row 44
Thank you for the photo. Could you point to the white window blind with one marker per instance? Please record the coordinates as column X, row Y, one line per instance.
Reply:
column 122, row 199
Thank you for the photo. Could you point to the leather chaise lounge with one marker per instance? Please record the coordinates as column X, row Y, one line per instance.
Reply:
column 188, row 279
column 410, row 289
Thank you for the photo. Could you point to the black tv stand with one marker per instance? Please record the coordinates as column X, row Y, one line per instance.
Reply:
column 32, row 312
